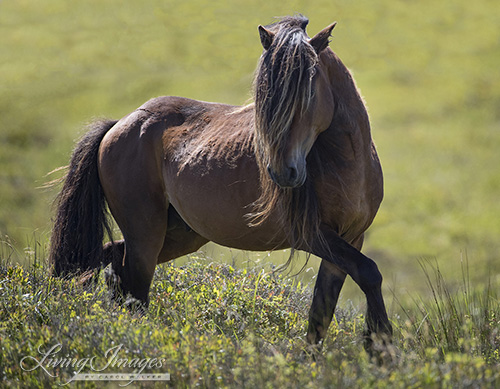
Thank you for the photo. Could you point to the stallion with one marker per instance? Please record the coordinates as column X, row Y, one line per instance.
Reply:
column 297, row 168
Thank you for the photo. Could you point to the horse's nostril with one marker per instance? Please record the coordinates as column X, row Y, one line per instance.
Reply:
column 293, row 173
column 286, row 178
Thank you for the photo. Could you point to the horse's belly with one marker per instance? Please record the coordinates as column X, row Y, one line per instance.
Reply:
column 215, row 203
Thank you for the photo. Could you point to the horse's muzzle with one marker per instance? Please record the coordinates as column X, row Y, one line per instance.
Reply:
column 289, row 177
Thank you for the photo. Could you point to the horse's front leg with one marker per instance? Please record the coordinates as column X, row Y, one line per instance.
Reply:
column 326, row 293
column 366, row 274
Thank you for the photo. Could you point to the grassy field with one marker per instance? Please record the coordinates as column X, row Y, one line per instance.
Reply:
column 210, row 325
column 429, row 74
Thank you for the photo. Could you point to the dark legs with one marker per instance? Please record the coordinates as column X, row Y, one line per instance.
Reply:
column 326, row 293
column 133, row 279
column 339, row 259
column 130, row 275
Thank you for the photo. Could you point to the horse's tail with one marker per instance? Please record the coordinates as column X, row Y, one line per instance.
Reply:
column 81, row 219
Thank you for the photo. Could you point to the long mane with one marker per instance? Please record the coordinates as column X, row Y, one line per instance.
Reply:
column 283, row 84
column 283, row 88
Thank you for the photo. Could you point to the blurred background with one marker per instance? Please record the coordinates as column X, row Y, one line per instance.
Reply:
column 429, row 72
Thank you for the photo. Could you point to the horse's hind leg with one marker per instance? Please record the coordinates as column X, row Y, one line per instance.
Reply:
column 130, row 172
column 130, row 275
column 143, row 243
column 134, row 259
column 142, row 218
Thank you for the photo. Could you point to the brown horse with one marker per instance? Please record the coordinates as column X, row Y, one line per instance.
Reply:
column 297, row 169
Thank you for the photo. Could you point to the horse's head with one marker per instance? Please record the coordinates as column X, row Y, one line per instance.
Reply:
column 293, row 99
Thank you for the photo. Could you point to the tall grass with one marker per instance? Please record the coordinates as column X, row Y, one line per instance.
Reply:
column 428, row 71
column 216, row 326
column 454, row 320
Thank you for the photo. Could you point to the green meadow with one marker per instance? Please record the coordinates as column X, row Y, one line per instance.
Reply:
column 213, row 326
column 429, row 72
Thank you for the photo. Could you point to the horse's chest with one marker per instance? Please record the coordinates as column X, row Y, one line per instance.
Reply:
column 349, row 202
column 349, row 218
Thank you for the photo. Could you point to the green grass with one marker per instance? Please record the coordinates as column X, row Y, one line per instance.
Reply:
column 215, row 326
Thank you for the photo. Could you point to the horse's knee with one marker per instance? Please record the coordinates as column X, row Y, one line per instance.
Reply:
column 369, row 276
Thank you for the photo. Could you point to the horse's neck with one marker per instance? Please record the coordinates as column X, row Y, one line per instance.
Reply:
column 350, row 114
column 347, row 142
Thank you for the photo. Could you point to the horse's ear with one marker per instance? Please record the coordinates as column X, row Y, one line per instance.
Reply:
column 266, row 37
column 320, row 41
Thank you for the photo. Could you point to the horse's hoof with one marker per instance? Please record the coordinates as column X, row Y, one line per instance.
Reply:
column 380, row 348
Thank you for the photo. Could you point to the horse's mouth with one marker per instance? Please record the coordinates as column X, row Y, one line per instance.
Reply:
column 289, row 177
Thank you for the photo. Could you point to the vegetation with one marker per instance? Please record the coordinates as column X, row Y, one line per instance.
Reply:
column 215, row 326
column 429, row 73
